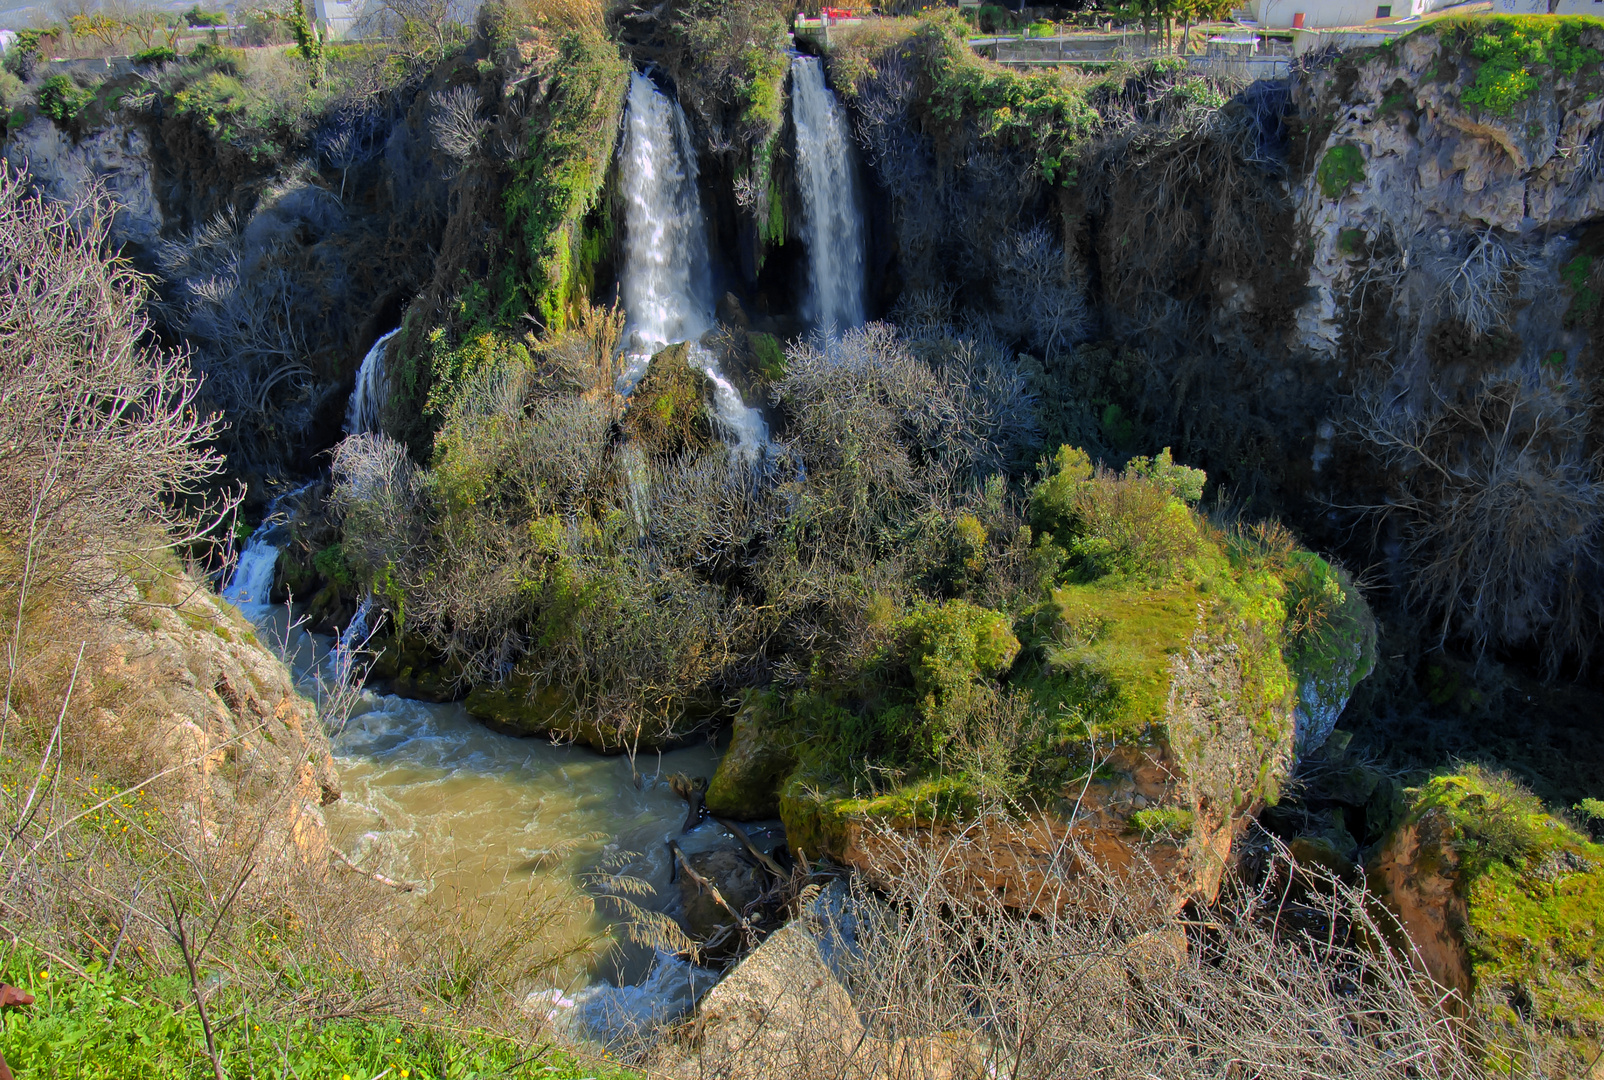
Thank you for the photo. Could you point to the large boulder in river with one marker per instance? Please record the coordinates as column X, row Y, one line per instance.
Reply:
column 1504, row 904
column 1150, row 702
column 760, row 757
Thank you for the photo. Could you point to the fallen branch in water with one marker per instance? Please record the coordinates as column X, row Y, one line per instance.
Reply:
column 767, row 861
column 404, row 886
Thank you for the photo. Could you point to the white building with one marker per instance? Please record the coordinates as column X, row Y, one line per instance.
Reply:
column 1318, row 14
column 337, row 18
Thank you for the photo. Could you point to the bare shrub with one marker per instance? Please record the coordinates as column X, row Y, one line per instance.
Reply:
column 1497, row 503
column 950, row 981
column 1043, row 294
column 244, row 310
column 1478, row 279
column 455, row 123
column 104, row 448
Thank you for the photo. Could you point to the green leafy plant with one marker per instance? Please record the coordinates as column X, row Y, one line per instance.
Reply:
column 1170, row 823
column 1341, row 168
column 1512, row 48
column 63, row 100
column 161, row 54
column 198, row 18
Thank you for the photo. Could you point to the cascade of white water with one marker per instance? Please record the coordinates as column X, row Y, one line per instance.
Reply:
column 668, row 295
column 831, row 212
column 362, row 414
column 251, row 583
column 667, row 288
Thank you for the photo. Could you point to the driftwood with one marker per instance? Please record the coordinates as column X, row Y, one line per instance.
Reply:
column 694, row 792
column 703, row 883
column 764, row 860
column 404, row 886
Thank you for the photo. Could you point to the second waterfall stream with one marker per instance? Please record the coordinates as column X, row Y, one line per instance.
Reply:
column 832, row 214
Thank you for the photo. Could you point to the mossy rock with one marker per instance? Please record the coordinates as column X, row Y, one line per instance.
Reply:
column 1524, row 908
column 668, row 409
column 761, row 755
column 1167, row 654
column 415, row 671
column 518, row 707
column 819, row 821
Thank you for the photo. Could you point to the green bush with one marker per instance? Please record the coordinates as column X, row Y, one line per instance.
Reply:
column 195, row 17
column 332, row 564
column 1511, row 47
column 211, row 98
column 63, row 100
column 1136, row 523
column 949, row 647
column 161, row 54
column 1342, row 167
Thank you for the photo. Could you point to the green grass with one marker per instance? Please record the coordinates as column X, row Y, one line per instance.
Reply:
column 109, row 1025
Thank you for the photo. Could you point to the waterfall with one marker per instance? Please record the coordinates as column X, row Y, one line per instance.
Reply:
column 666, row 282
column 252, row 581
column 668, row 295
column 362, row 414
column 831, row 214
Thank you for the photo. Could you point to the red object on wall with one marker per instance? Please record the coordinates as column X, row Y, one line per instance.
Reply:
column 835, row 13
column 1297, row 20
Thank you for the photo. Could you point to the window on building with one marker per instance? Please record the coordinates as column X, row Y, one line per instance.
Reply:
column 1384, row 11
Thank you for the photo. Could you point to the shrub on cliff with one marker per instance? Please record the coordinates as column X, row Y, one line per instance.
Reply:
column 102, row 434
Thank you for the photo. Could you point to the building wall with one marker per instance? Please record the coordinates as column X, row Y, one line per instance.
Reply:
column 338, row 18
column 1540, row 7
column 1323, row 13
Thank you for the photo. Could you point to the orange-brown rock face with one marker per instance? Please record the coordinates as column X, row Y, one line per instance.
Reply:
column 1417, row 872
column 216, row 717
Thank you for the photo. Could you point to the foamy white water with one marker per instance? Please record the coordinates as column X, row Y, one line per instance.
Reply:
column 667, row 291
column 832, row 215
column 362, row 412
column 250, row 587
column 666, row 283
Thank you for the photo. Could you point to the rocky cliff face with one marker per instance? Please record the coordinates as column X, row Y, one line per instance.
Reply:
column 237, row 751
column 1417, row 169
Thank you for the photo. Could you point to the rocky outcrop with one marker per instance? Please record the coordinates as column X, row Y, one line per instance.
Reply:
column 236, row 751
column 116, row 159
column 1504, row 905
column 1412, row 160
column 761, row 755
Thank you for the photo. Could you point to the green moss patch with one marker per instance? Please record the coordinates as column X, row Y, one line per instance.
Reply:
column 1341, row 168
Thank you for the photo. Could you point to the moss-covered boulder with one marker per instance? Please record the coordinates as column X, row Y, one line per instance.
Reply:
column 413, row 670
column 760, row 757
column 1146, row 703
column 1505, row 905
column 668, row 409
